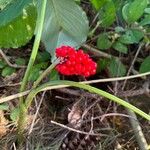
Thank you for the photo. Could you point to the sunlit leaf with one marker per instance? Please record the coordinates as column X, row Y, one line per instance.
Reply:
column 19, row 31
column 132, row 11
column 65, row 24
column 107, row 14
column 12, row 11
column 98, row 3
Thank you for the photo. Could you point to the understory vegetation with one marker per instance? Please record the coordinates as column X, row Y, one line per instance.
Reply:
column 75, row 74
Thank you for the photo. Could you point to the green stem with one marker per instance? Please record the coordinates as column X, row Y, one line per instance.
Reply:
column 90, row 89
column 40, row 22
column 45, row 73
column 22, row 109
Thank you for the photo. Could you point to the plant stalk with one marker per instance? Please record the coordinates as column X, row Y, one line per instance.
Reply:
column 45, row 73
column 22, row 108
column 40, row 22
column 88, row 88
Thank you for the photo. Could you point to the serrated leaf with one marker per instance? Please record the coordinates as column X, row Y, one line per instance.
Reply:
column 4, row 106
column 132, row 11
column 116, row 68
column 18, row 32
column 103, row 41
column 8, row 71
column 12, row 11
column 145, row 66
column 98, row 3
column 65, row 24
column 120, row 47
column 145, row 21
column 20, row 61
column 14, row 114
column 131, row 36
column 107, row 14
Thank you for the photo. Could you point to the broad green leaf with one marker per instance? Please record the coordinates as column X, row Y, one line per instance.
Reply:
column 4, row 106
column 19, row 31
column 120, row 47
column 4, row 3
column 14, row 114
column 7, row 71
column 107, row 14
column 116, row 68
column 131, row 36
column 98, row 3
column 12, row 11
column 132, row 11
column 65, row 24
column 145, row 66
column 103, row 41
column 147, row 10
column 20, row 61
column 145, row 21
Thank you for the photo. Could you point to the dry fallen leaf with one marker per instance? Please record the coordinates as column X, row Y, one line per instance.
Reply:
column 74, row 116
column 3, row 123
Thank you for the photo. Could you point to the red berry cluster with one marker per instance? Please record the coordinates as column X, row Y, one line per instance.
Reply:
column 74, row 62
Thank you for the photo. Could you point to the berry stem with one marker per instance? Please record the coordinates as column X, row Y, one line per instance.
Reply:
column 45, row 73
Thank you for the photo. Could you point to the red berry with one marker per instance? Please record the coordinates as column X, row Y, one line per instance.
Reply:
column 75, row 62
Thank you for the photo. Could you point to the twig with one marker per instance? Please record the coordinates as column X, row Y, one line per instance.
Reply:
column 113, row 114
column 138, row 131
column 35, row 116
column 8, row 62
column 135, row 124
column 132, row 64
column 75, row 130
column 14, row 146
column 8, row 98
column 9, row 85
column 96, row 51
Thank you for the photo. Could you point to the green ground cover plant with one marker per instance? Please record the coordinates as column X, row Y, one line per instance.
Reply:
column 116, row 29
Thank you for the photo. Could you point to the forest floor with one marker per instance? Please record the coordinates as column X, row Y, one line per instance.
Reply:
column 74, row 119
